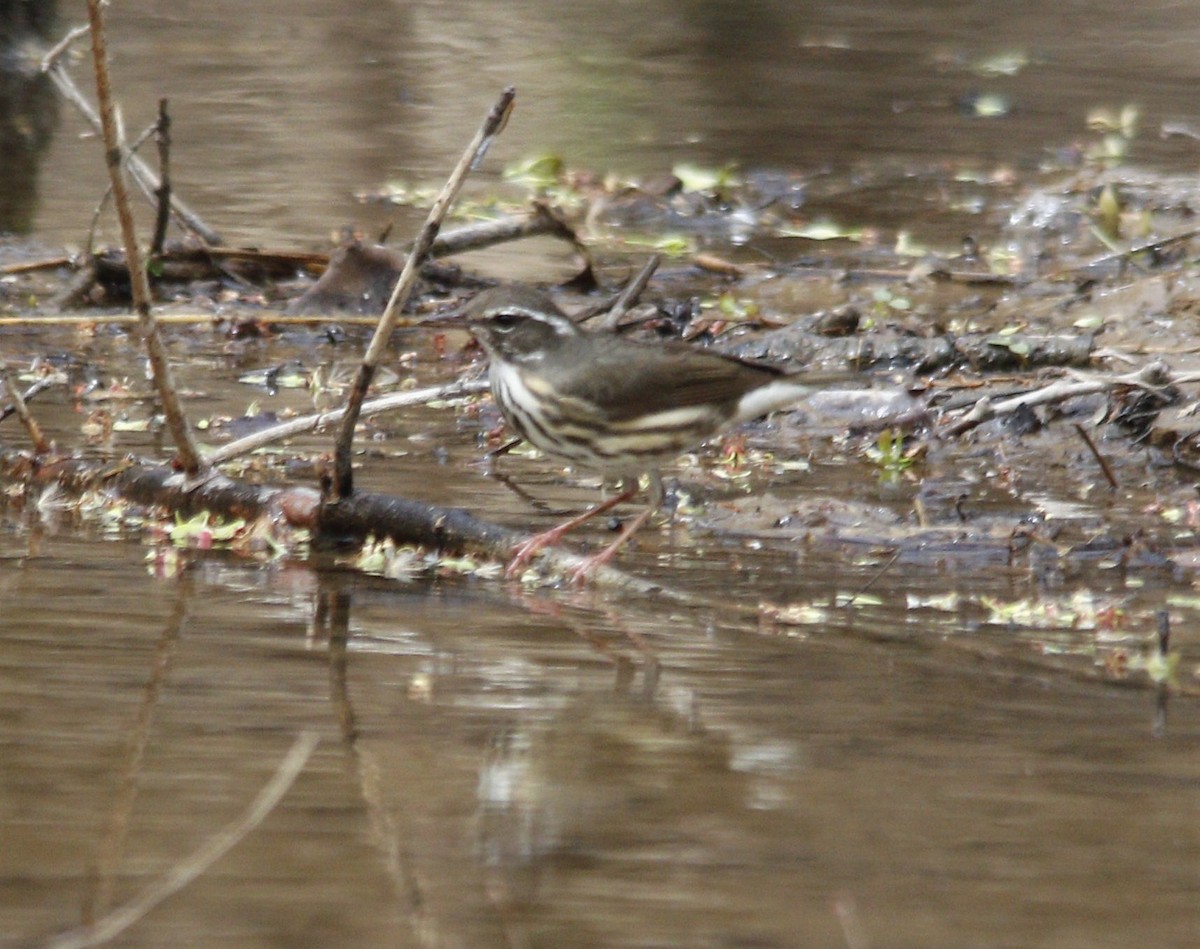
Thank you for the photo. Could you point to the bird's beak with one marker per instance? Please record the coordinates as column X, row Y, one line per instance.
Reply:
column 457, row 317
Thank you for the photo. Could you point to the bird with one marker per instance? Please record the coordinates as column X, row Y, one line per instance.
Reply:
column 611, row 405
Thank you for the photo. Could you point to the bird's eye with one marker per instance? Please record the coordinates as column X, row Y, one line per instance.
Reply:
column 505, row 320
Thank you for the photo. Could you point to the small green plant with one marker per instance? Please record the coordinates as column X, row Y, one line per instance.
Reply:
column 890, row 455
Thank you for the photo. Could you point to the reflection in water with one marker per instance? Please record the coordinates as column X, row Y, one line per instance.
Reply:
column 566, row 775
column 28, row 109
column 111, row 851
column 281, row 119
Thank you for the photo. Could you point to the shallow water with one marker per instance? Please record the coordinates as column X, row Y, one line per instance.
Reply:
column 280, row 118
column 499, row 766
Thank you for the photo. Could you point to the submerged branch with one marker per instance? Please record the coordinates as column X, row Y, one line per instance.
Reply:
column 363, row 515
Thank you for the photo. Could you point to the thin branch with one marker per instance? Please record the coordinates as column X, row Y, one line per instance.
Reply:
column 1151, row 376
column 162, row 135
column 32, row 429
column 629, row 296
column 493, row 124
column 27, row 396
column 181, row 319
column 107, row 196
column 142, row 174
column 1100, row 459
column 116, row 922
column 308, row 423
column 189, row 455
column 58, row 49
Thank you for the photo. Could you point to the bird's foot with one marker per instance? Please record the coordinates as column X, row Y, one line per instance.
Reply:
column 525, row 551
column 580, row 574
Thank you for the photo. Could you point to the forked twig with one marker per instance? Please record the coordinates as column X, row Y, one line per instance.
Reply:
column 145, row 177
column 1150, row 376
column 629, row 295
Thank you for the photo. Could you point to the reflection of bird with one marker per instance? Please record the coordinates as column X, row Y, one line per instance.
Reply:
column 609, row 404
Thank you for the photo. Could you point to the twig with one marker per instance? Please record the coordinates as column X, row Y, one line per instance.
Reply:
column 59, row 48
column 189, row 455
column 110, row 926
column 183, row 319
column 36, row 389
column 162, row 135
column 630, row 294
column 493, row 124
column 875, row 577
column 386, row 403
column 1148, row 377
column 511, row 227
column 146, row 179
column 130, row 151
column 40, row 445
column 1100, row 459
column 1121, row 256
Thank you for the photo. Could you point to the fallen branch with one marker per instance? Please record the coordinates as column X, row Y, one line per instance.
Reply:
column 1152, row 376
column 404, row 521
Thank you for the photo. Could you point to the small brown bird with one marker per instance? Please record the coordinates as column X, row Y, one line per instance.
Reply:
column 613, row 405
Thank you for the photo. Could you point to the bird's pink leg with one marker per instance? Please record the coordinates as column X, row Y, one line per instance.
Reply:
column 579, row 574
column 526, row 550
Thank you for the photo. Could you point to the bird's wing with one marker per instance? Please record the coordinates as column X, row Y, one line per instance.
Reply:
column 631, row 378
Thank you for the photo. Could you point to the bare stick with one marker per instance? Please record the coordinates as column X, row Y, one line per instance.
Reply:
column 116, row 922
column 146, row 179
column 488, row 233
column 493, row 124
column 629, row 296
column 181, row 319
column 308, row 423
column 189, row 454
column 57, row 50
column 27, row 396
column 1100, row 459
column 162, row 135
column 32, row 429
column 1150, row 376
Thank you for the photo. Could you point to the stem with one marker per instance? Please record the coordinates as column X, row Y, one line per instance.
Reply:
column 493, row 124
column 189, row 455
